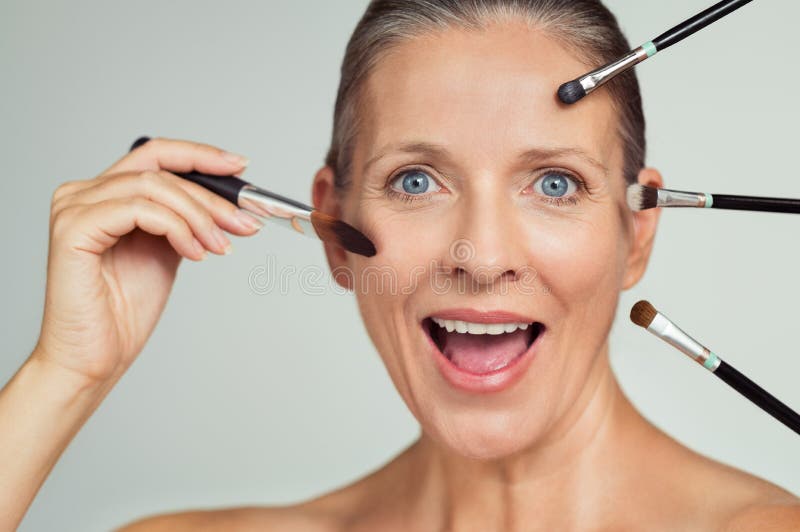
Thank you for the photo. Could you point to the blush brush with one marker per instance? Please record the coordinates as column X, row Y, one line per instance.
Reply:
column 576, row 89
column 295, row 215
column 641, row 198
column 646, row 316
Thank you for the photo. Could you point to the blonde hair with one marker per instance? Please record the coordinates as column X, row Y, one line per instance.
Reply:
column 586, row 27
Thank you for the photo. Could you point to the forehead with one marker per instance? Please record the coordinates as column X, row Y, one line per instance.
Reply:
column 485, row 95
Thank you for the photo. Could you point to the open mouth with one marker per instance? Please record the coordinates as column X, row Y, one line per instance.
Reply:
column 481, row 348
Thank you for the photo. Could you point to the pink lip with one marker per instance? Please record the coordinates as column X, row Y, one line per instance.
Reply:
column 496, row 381
column 476, row 316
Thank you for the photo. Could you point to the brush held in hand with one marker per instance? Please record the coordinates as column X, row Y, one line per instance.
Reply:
column 298, row 216
column 646, row 316
column 574, row 90
column 641, row 198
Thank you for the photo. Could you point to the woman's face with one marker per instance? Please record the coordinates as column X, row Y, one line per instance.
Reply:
column 492, row 207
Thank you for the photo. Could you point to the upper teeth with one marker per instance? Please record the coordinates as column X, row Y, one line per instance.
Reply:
column 479, row 328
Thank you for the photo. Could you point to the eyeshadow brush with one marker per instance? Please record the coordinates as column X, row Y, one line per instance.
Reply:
column 295, row 215
column 646, row 316
column 641, row 198
column 576, row 89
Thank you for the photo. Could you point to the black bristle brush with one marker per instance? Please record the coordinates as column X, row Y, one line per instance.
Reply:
column 574, row 90
column 302, row 218
column 646, row 316
column 641, row 198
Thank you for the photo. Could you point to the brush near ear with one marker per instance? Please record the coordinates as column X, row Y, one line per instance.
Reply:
column 641, row 198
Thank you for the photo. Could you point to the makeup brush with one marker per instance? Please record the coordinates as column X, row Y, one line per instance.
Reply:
column 295, row 215
column 576, row 89
column 645, row 315
column 641, row 198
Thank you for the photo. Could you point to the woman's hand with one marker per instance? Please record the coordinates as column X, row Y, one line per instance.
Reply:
column 115, row 245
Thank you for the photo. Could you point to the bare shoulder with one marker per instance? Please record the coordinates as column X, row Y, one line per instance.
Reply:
column 695, row 491
column 770, row 509
column 298, row 517
column 779, row 516
column 748, row 502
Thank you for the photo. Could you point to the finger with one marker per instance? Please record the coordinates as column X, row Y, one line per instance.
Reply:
column 96, row 227
column 163, row 187
column 226, row 214
column 180, row 156
column 68, row 188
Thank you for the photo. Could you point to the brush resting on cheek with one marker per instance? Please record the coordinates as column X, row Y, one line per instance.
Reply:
column 302, row 218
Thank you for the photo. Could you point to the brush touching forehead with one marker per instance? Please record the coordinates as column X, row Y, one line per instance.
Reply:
column 476, row 100
column 586, row 27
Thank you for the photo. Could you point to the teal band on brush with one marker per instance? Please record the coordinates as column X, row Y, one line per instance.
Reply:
column 709, row 201
column 711, row 361
column 650, row 48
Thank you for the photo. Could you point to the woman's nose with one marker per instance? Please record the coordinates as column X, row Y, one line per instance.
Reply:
column 489, row 245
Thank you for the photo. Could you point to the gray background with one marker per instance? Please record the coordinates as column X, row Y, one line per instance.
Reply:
column 245, row 398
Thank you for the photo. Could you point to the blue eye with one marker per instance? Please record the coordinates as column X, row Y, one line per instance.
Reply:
column 415, row 183
column 555, row 185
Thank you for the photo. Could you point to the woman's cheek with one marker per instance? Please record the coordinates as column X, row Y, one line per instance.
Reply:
column 409, row 245
column 574, row 257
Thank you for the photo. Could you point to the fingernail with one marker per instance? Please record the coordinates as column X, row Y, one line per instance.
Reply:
column 235, row 158
column 247, row 221
column 220, row 238
column 200, row 249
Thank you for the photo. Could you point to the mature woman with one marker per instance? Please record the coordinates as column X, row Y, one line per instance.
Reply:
column 502, row 213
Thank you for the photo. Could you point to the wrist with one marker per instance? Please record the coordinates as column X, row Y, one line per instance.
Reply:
column 61, row 379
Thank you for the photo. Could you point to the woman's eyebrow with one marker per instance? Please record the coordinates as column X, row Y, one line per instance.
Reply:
column 532, row 155
column 420, row 148
column 539, row 154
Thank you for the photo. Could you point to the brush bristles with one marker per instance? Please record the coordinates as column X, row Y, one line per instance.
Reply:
column 643, row 314
column 641, row 198
column 329, row 229
column 571, row 92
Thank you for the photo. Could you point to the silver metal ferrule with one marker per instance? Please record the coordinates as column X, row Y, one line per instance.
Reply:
column 673, row 335
column 676, row 198
column 599, row 77
column 287, row 212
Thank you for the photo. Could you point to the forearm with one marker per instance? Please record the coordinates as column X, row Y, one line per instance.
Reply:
column 41, row 409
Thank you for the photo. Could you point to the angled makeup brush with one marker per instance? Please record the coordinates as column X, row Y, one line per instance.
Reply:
column 641, row 198
column 295, row 215
column 576, row 89
column 645, row 315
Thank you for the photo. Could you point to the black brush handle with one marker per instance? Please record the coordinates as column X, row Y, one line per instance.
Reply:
column 226, row 186
column 697, row 23
column 759, row 396
column 753, row 203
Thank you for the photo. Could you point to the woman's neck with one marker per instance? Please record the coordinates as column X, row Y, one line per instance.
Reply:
column 565, row 478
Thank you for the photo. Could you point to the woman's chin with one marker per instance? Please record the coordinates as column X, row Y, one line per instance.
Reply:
column 486, row 440
column 489, row 448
